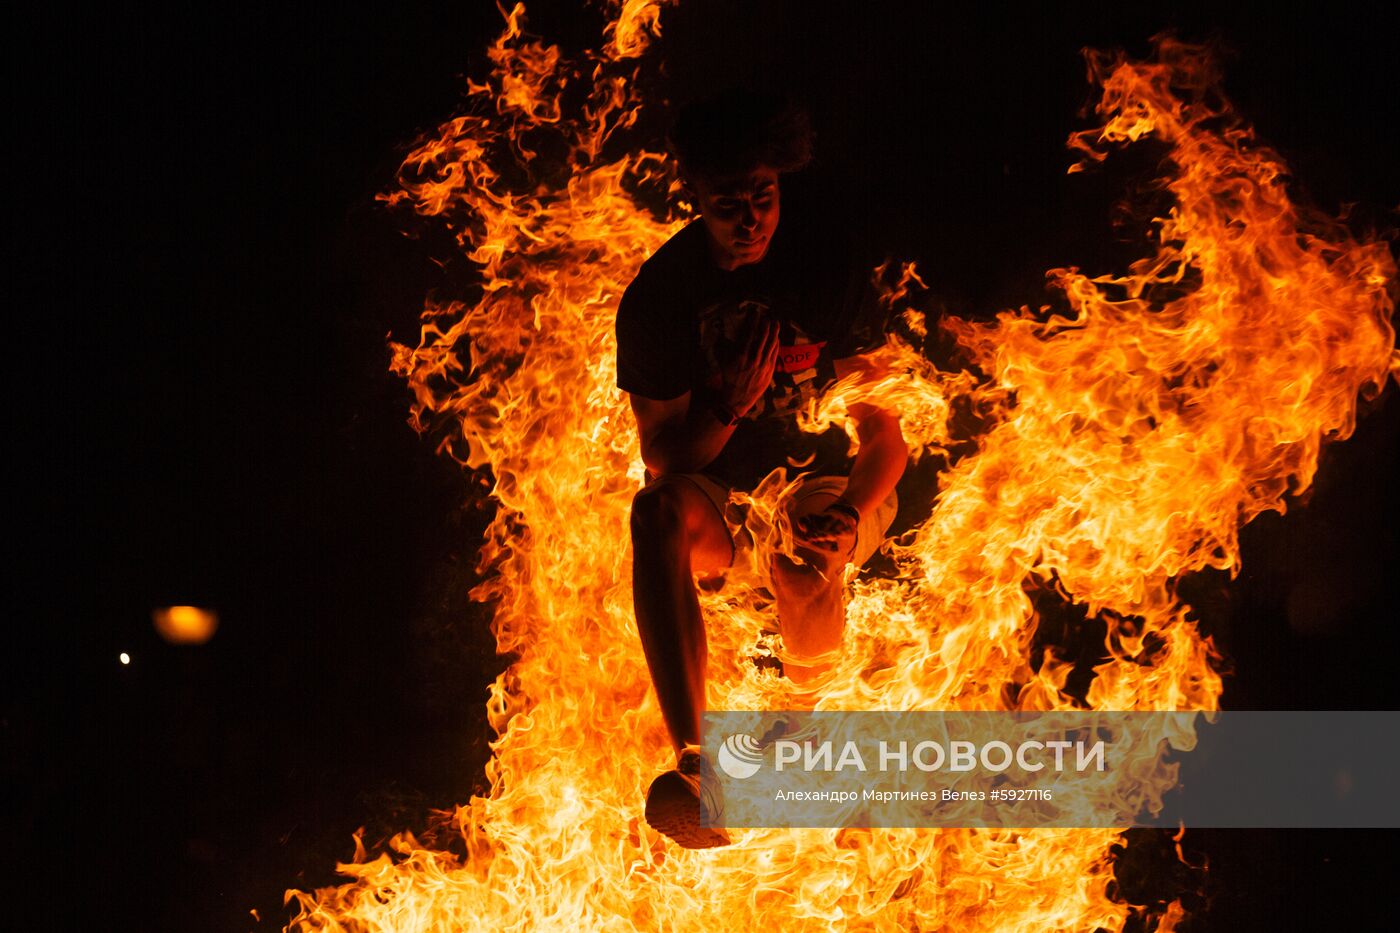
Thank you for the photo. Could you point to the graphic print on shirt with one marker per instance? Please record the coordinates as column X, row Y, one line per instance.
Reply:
column 802, row 369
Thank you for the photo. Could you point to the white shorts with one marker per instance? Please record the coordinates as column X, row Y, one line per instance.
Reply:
column 870, row 533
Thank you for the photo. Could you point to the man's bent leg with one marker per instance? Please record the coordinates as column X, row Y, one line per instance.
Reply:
column 811, row 598
column 676, row 532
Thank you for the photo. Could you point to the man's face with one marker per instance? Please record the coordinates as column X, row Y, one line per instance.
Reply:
column 740, row 213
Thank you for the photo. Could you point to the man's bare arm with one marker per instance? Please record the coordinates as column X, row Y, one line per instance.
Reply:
column 878, row 466
column 683, row 434
column 676, row 436
column 881, row 459
column 883, row 454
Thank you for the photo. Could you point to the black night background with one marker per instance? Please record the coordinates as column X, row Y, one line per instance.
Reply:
column 202, row 411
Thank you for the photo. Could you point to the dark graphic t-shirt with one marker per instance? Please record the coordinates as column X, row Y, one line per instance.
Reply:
column 683, row 317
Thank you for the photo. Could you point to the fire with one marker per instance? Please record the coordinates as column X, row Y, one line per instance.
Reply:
column 1131, row 438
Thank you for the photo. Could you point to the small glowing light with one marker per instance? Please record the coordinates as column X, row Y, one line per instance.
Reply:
column 185, row 625
column 124, row 658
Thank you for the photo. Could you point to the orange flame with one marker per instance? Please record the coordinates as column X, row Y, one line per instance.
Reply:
column 1131, row 439
column 185, row 625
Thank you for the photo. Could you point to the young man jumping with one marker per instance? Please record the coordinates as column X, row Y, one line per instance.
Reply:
column 729, row 329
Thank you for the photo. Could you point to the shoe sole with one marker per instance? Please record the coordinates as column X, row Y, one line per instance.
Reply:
column 673, row 811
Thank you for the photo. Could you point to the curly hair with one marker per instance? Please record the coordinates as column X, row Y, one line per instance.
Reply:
column 737, row 131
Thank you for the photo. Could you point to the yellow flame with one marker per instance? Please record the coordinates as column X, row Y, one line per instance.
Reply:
column 1130, row 440
column 637, row 21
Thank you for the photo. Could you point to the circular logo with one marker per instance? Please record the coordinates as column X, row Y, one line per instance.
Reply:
column 740, row 756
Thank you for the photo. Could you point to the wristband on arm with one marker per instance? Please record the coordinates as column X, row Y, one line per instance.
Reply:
column 722, row 412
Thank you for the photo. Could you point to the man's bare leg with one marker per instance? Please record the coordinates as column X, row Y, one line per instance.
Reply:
column 676, row 533
column 811, row 597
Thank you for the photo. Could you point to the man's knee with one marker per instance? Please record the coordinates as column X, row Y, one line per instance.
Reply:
column 658, row 512
column 811, row 616
column 807, row 581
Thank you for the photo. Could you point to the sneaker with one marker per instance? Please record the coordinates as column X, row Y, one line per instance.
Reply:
column 684, row 804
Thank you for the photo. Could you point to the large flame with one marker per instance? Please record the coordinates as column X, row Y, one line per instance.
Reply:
column 1131, row 438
